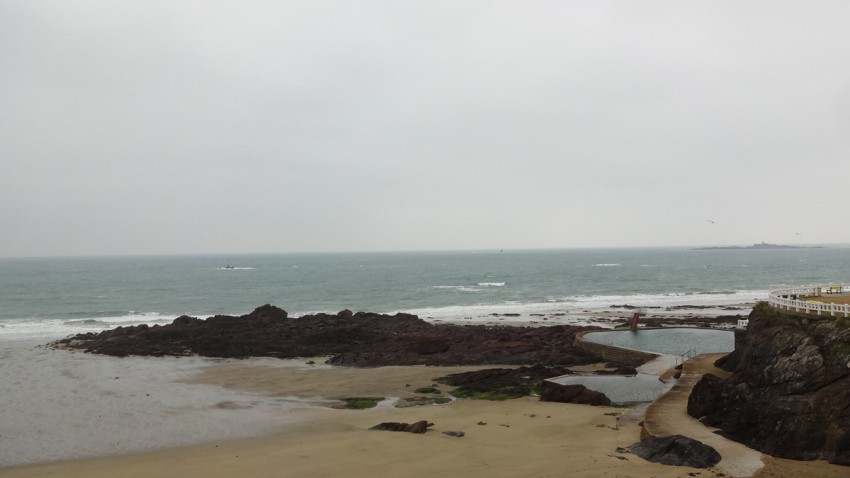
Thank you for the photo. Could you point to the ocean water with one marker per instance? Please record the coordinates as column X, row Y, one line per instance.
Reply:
column 54, row 297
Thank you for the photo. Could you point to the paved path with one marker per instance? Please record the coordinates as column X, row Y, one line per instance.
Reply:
column 668, row 415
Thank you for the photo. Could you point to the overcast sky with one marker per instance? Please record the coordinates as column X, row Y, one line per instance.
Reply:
column 150, row 127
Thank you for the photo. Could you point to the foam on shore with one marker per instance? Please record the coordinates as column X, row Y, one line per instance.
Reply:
column 578, row 314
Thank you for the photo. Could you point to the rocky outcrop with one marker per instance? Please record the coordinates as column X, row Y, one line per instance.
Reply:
column 676, row 450
column 576, row 393
column 789, row 392
column 354, row 339
column 501, row 383
column 419, row 427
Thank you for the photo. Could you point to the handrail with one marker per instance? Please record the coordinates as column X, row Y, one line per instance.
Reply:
column 788, row 298
column 684, row 357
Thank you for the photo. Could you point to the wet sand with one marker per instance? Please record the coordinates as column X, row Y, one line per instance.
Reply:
column 521, row 437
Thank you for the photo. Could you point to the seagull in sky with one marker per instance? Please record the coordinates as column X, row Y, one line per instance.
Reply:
column 709, row 220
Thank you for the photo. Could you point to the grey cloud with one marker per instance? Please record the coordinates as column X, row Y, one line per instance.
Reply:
column 157, row 127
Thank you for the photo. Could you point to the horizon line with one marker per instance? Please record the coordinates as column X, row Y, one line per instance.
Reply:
column 393, row 251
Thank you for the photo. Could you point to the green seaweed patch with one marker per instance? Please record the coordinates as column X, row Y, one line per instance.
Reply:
column 501, row 383
column 494, row 395
column 419, row 401
column 360, row 403
column 427, row 390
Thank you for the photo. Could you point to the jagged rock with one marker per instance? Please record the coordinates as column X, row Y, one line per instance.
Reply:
column 789, row 393
column 185, row 321
column 268, row 313
column 418, row 427
column 676, row 450
column 361, row 339
column 556, row 392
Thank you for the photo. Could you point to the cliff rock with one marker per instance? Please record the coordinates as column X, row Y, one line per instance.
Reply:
column 789, row 392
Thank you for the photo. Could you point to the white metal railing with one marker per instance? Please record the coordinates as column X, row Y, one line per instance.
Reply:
column 788, row 298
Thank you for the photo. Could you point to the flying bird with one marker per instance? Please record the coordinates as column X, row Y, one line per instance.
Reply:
column 709, row 220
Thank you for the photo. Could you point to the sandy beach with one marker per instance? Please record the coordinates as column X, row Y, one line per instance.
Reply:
column 520, row 437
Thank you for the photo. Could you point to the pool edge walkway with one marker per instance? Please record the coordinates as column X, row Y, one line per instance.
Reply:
column 668, row 415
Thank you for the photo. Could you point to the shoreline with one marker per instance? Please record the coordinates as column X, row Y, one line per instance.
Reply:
column 602, row 313
column 606, row 317
column 291, row 397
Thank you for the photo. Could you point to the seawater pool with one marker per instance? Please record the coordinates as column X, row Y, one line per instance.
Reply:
column 645, row 387
column 672, row 341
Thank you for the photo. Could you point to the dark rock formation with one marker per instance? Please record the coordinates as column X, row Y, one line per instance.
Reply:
column 503, row 382
column 419, row 427
column 556, row 392
column 761, row 245
column 676, row 450
column 789, row 393
column 354, row 339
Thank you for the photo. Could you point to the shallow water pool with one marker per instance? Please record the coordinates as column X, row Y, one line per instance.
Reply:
column 672, row 341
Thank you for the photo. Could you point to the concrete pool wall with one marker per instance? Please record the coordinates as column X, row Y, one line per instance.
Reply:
column 612, row 352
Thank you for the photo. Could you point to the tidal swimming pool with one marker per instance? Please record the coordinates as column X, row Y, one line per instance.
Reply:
column 645, row 387
column 672, row 341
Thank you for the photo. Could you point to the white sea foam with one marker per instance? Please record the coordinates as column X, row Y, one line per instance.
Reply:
column 491, row 284
column 607, row 265
column 569, row 308
column 58, row 405
column 707, row 298
column 51, row 329
column 46, row 329
column 461, row 288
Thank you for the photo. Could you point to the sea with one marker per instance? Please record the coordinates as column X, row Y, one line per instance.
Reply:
column 56, row 297
column 58, row 404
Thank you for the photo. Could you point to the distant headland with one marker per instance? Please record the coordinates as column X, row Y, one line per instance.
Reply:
column 761, row 245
